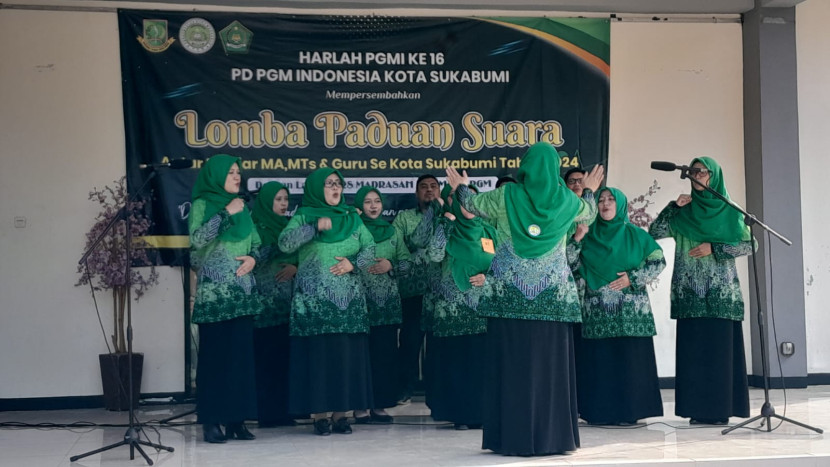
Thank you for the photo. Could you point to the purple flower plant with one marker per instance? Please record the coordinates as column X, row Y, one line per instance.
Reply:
column 106, row 266
column 637, row 207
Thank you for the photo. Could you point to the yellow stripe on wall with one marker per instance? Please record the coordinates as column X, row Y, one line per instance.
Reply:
column 163, row 241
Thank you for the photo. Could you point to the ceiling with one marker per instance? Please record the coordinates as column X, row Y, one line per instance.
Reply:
column 582, row 6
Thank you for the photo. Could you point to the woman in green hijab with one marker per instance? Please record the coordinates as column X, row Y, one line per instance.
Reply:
column 224, row 244
column 706, row 300
column 384, row 304
column 617, row 373
column 275, row 281
column 465, row 247
column 330, row 369
column 530, row 389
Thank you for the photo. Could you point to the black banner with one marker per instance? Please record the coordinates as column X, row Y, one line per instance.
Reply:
column 383, row 99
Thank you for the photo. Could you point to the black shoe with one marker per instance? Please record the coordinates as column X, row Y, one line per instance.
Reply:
column 342, row 426
column 239, row 431
column 600, row 423
column 405, row 398
column 708, row 421
column 362, row 420
column 627, row 423
column 378, row 418
column 322, row 427
column 461, row 426
column 213, row 434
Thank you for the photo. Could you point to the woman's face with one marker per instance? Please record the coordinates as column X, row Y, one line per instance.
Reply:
column 333, row 190
column 467, row 214
column 372, row 205
column 701, row 174
column 280, row 206
column 233, row 180
column 607, row 206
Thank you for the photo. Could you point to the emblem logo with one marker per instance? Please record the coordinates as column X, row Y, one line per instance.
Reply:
column 236, row 38
column 197, row 36
column 534, row 230
column 155, row 37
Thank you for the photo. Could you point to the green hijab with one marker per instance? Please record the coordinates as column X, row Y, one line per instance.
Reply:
column 540, row 207
column 210, row 187
column 270, row 223
column 344, row 218
column 381, row 230
column 613, row 246
column 707, row 218
column 467, row 256
column 445, row 195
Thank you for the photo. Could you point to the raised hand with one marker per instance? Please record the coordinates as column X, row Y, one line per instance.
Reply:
column 593, row 180
column 235, row 206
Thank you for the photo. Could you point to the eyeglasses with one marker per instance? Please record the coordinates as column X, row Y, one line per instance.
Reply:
column 334, row 184
column 699, row 173
column 575, row 181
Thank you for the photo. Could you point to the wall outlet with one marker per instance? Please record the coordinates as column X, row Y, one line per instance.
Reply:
column 787, row 348
column 19, row 222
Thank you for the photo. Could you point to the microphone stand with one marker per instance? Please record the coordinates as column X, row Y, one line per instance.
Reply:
column 767, row 410
column 132, row 436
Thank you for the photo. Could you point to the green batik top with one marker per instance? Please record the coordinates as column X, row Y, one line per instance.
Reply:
column 324, row 303
column 540, row 288
column 416, row 230
column 453, row 311
column 704, row 287
column 220, row 295
column 622, row 313
column 383, row 299
column 275, row 296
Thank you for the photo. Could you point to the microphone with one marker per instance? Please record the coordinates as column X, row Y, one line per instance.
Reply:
column 174, row 164
column 246, row 195
column 668, row 166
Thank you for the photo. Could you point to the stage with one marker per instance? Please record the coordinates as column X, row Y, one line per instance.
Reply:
column 416, row 440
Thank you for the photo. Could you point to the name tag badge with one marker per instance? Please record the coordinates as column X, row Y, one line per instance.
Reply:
column 488, row 246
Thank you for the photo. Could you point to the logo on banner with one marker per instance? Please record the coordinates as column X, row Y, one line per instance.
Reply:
column 197, row 36
column 155, row 37
column 236, row 38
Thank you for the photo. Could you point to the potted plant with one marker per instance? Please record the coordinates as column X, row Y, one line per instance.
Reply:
column 105, row 270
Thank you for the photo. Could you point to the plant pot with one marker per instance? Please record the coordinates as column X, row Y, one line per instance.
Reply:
column 115, row 378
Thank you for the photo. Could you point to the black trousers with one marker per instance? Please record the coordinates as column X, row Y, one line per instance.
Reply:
column 410, row 342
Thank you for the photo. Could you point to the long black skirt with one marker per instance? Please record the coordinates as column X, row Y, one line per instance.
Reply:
column 329, row 373
column 530, row 393
column 617, row 381
column 383, row 347
column 411, row 340
column 225, row 381
column 458, row 371
column 428, row 370
column 271, row 345
column 711, row 382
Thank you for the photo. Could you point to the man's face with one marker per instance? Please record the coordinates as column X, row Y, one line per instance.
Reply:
column 427, row 190
column 576, row 182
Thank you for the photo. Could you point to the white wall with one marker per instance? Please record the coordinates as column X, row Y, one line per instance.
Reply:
column 675, row 94
column 61, row 133
column 813, row 55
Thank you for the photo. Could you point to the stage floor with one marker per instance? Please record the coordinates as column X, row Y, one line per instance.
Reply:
column 416, row 440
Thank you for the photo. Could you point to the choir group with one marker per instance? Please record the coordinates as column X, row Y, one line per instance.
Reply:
column 530, row 301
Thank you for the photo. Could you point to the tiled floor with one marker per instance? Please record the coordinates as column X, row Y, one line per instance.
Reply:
column 415, row 440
